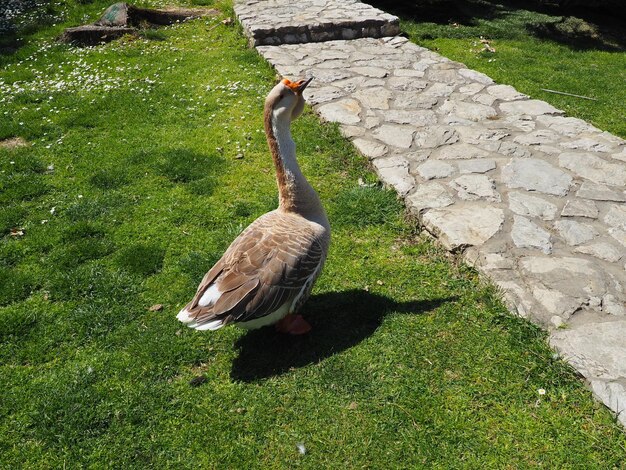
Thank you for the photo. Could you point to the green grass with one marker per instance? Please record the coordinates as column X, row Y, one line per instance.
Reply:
column 130, row 191
column 583, row 55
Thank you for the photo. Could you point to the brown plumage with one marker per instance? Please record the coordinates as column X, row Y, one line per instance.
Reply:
column 269, row 269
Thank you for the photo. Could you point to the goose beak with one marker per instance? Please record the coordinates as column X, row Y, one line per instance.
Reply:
column 302, row 84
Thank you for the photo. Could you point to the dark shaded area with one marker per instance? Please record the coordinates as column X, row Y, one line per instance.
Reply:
column 593, row 32
column 340, row 320
column 180, row 165
column 580, row 25
column 20, row 19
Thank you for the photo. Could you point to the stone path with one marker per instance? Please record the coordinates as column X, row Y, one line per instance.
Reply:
column 533, row 199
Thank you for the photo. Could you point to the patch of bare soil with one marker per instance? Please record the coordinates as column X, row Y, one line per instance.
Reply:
column 13, row 142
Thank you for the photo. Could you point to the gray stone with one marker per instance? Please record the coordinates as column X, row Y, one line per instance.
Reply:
column 472, row 187
column 575, row 233
column 406, row 83
column 414, row 100
column 531, row 206
column 599, row 192
column 596, row 345
column 370, row 148
column 588, row 144
column 396, row 176
column 618, row 234
column 526, row 234
column 461, row 226
column 530, row 107
column 408, row 73
column 439, row 89
column 505, row 93
column 398, row 136
column 568, row 126
column 520, row 122
column 484, row 98
column 613, row 306
column 376, row 98
column 345, row 111
column 435, row 136
column 417, row 118
column 513, row 150
column 326, row 76
column 536, row 175
column 538, row 137
column 554, row 301
column 435, row 169
column 322, row 95
column 460, row 151
column 476, row 76
column 594, row 168
column 477, row 134
column 597, row 350
column 374, row 72
column 351, row 131
column 391, row 162
column 602, row 250
column 482, row 165
column 577, row 279
column 620, row 156
column 429, row 196
column 616, row 217
column 371, row 122
column 471, row 89
column 580, row 208
column 445, row 76
column 470, row 111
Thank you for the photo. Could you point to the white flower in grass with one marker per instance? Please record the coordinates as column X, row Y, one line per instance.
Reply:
column 541, row 391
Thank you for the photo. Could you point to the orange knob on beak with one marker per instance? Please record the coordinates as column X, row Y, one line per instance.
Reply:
column 299, row 86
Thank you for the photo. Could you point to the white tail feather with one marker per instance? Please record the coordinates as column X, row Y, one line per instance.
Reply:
column 210, row 296
column 184, row 317
column 212, row 325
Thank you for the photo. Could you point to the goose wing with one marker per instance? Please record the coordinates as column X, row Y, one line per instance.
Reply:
column 266, row 266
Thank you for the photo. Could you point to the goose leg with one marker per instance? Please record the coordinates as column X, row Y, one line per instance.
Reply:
column 293, row 325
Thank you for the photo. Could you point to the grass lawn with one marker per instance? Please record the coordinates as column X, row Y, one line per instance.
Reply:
column 128, row 192
column 574, row 52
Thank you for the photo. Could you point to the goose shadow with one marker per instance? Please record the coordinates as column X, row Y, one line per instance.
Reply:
column 340, row 320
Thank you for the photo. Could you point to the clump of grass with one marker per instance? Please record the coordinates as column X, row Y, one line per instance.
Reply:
column 91, row 208
column 14, row 285
column 184, row 166
column 111, row 178
column 11, row 216
column 363, row 206
column 153, row 34
column 141, row 258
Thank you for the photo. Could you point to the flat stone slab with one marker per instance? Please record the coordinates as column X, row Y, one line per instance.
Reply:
column 273, row 22
column 597, row 350
column 532, row 198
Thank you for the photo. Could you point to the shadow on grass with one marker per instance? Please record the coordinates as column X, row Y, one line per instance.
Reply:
column 340, row 320
column 574, row 25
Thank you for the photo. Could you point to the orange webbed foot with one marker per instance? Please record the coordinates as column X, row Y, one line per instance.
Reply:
column 293, row 325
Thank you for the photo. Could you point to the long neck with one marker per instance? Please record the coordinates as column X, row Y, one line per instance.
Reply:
column 295, row 192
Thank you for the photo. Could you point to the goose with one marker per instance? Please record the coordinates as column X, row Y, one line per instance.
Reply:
column 268, row 271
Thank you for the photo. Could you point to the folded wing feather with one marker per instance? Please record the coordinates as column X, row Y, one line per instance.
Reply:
column 265, row 267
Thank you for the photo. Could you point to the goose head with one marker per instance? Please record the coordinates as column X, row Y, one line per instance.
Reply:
column 285, row 101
